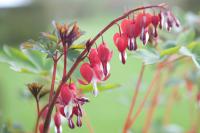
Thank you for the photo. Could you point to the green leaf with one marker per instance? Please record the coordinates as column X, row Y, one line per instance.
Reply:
column 25, row 61
column 77, row 46
column 175, row 50
column 101, row 87
column 193, row 53
column 148, row 56
column 73, row 54
column 186, row 37
column 170, row 51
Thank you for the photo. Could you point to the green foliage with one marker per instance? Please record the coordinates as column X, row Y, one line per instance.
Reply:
column 193, row 53
column 101, row 87
column 186, row 37
column 148, row 56
column 25, row 61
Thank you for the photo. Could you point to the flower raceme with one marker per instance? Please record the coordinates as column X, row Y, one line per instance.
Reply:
column 140, row 27
column 68, row 100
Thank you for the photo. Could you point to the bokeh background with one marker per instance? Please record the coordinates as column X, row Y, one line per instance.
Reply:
column 21, row 20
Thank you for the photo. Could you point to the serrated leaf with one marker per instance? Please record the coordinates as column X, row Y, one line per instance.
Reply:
column 186, row 37
column 148, row 56
column 101, row 87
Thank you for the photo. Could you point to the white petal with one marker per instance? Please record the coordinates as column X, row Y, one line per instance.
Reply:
column 68, row 110
column 95, row 89
column 58, row 130
column 108, row 67
column 146, row 38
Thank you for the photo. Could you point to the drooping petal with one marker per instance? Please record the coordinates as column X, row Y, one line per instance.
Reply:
column 129, row 28
column 71, row 123
column 58, row 130
column 57, row 122
column 144, row 37
column 143, row 20
column 162, row 19
column 68, row 110
column 66, row 94
column 120, row 42
column 86, row 72
column 104, row 55
column 98, row 72
column 94, row 58
column 95, row 89
column 41, row 127
column 79, row 122
column 123, row 57
column 155, row 21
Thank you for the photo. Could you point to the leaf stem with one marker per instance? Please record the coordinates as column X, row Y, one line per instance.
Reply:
column 55, row 61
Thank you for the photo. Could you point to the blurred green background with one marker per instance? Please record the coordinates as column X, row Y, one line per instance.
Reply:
column 106, row 112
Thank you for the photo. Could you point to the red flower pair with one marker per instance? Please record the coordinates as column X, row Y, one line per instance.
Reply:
column 98, row 68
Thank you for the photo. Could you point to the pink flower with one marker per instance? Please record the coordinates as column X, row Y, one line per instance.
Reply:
column 155, row 22
column 121, row 42
column 132, row 31
column 57, row 122
column 91, row 75
column 66, row 94
column 69, row 105
column 94, row 58
column 105, row 56
column 143, row 20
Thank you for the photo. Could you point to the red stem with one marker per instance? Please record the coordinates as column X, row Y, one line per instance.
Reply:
column 38, row 118
column 65, row 60
column 53, row 79
column 136, row 90
column 152, row 108
column 82, row 56
column 154, row 80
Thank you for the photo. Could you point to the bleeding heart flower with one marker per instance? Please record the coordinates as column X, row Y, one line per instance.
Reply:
column 121, row 42
column 132, row 31
column 66, row 94
column 87, row 73
column 105, row 56
column 171, row 20
column 70, row 108
column 91, row 75
column 57, row 122
column 143, row 20
column 155, row 22
column 94, row 58
column 162, row 19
